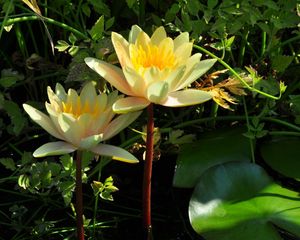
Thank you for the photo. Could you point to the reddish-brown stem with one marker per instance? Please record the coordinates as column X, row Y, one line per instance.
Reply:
column 148, row 174
column 78, row 189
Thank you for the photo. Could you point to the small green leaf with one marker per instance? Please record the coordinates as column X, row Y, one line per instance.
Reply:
column 281, row 62
column 8, row 163
column 130, row 3
column 67, row 162
column 72, row 38
column 62, row 45
column 10, row 77
column 24, row 181
column 73, row 50
column 18, row 121
column 86, row 9
column 212, row 3
column 178, row 137
column 97, row 30
column 109, row 23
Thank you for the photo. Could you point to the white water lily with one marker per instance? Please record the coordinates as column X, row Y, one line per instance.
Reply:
column 154, row 70
column 81, row 122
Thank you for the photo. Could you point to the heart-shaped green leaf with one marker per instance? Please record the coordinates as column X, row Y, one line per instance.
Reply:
column 238, row 200
column 213, row 148
column 282, row 154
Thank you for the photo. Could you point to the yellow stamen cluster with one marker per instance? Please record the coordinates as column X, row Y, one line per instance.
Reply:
column 78, row 108
column 152, row 56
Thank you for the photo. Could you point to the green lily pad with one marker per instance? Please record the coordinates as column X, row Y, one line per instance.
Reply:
column 238, row 200
column 213, row 148
column 282, row 154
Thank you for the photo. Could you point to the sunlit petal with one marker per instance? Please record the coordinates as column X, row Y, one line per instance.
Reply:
column 112, row 74
column 54, row 99
column 174, row 77
column 157, row 91
column 90, row 142
column 158, row 35
column 197, row 71
column 186, row 98
column 135, row 81
column 60, row 92
column 88, row 93
column 72, row 131
column 54, row 148
column 118, row 124
column 183, row 52
column 130, row 104
column 115, row 152
column 122, row 48
column 134, row 32
column 43, row 120
column 181, row 39
column 143, row 40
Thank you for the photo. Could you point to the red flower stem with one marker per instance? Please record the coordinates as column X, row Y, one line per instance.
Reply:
column 148, row 174
column 79, row 208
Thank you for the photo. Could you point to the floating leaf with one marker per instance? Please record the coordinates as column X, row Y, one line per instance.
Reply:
column 282, row 154
column 212, row 149
column 240, row 199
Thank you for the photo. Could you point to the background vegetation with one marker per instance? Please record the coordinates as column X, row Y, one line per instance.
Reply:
column 242, row 150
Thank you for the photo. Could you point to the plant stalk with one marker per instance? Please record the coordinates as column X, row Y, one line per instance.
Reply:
column 79, row 205
column 148, row 175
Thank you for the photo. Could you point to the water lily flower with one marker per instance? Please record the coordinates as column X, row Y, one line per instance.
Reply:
column 155, row 69
column 81, row 122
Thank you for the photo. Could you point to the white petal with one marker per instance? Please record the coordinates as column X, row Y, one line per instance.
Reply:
column 122, row 48
column 174, row 77
column 186, row 98
column 115, row 152
column 88, row 93
column 71, row 129
column 118, row 124
column 54, row 99
column 181, row 39
column 157, row 91
column 197, row 71
column 54, row 148
column 43, row 120
column 152, row 74
column 60, row 92
column 134, row 32
column 100, row 103
column 130, row 104
column 183, row 52
column 90, row 142
column 135, row 81
column 111, row 73
column 143, row 41
column 158, row 35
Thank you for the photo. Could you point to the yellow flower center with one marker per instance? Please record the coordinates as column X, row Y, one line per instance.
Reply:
column 78, row 108
column 152, row 56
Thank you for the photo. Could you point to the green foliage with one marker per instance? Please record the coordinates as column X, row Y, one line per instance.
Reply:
column 261, row 36
column 104, row 190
